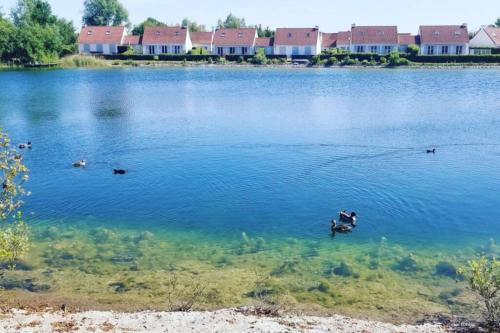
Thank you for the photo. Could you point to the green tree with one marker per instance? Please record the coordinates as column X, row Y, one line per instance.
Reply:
column 14, row 236
column 29, row 12
column 232, row 21
column 68, row 37
column 104, row 12
column 497, row 23
column 413, row 50
column 149, row 22
column 483, row 276
column 260, row 57
column 267, row 32
column 193, row 26
column 7, row 33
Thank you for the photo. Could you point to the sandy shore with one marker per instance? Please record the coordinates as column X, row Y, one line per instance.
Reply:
column 180, row 322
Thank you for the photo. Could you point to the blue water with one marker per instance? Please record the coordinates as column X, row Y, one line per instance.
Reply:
column 273, row 152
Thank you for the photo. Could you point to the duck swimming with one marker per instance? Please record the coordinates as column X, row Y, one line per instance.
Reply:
column 431, row 151
column 25, row 145
column 80, row 164
column 342, row 228
column 119, row 171
column 348, row 217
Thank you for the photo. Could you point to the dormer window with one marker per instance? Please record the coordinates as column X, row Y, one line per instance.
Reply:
column 380, row 33
column 457, row 33
column 223, row 34
column 436, row 33
column 240, row 35
column 108, row 32
column 157, row 33
column 89, row 32
column 308, row 35
column 177, row 33
column 289, row 35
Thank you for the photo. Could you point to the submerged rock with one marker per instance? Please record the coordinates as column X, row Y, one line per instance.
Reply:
column 288, row 267
column 8, row 283
column 102, row 235
column 144, row 236
column 406, row 264
column 122, row 258
column 345, row 270
column 446, row 269
column 119, row 287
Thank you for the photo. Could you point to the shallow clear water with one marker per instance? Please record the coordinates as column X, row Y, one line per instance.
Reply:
column 273, row 153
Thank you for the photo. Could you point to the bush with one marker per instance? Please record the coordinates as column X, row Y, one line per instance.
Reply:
column 396, row 60
column 413, row 50
column 241, row 60
column 260, row 57
column 483, row 276
column 82, row 61
column 383, row 60
column 332, row 61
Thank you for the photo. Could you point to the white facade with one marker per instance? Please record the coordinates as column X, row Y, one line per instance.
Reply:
column 98, row 48
column 233, row 50
column 444, row 49
column 301, row 50
column 373, row 48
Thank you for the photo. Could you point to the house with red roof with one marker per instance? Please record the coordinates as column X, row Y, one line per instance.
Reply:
column 328, row 40
column 444, row 39
column 100, row 40
column 407, row 39
column 374, row 39
column 134, row 42
column 202, row 40
column 265, row 43
column 297, row 41
column 237, row 41
column 485, row 40
column 163, row 40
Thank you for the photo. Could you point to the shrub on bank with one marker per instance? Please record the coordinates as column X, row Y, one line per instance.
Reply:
column 82, row 61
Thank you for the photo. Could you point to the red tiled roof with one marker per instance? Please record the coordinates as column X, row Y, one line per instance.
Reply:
column 494, row 34
column 435, row 34
column 101, row 35
column 240, row 36
column 329, row 40
column 408, row 39
column 264, row 41
column 164, row 35
column 296, row 36
column 374, row 34
column 132, row 40
column 343, row 38
column 202, row 37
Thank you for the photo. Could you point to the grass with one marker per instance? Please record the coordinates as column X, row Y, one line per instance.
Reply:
column 82, row 61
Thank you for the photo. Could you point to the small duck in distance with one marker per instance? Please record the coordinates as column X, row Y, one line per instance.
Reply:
column 119, row 171
column 342, row 228
column 431, row 151
column 348, row 217
column 25, row 145
column 80, row 164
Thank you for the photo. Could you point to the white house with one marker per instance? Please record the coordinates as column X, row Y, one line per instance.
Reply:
column 163, row 40
column 240, row 41
column 485, row 40
column 202, row 40
column 444, row 39
column 374, row 39
column 100, row 40
column 265, row 43
column 297, row 41
column 133, row 41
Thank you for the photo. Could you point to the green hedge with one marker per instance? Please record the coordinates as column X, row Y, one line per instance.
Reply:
column 476, row 59
column 163, row 57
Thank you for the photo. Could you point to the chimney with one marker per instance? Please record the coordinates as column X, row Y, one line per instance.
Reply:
column 464, row 25
column 316, row 27
column 353, row 25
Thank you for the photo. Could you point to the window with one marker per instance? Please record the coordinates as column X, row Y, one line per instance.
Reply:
column 164, row 49
column 380, row 33
column 444, row 49
column 86, row 48
column 308, row 35
column 151, row 49
column 99, row 48
column 308, row 50
column 388, row 49
column 232, row 50
column 177, row 49
column 295, row 50
column 112, row 49
column 460, row 49
column 435, row 33
column 240, row 35
column 220, row 51
column 360, row 49
column 223, row 34
column 283, row 50
column 177, row 33
column 157, row 33
column 289, row 35
column 244, row 50
column 89, row 32
column 108, row 32
column 430, row 50
column 373, row 49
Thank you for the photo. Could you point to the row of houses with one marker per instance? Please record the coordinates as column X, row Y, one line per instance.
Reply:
column 432, row 40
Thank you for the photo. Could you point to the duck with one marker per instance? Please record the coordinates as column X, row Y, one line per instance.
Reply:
column 80, row 164
column 431, row 151
column 119, row 171
column 25, row 145
column 18, row 157
column 342, row 228
column 348, row 217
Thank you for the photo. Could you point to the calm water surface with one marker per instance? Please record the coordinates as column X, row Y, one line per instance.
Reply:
column 273, row 153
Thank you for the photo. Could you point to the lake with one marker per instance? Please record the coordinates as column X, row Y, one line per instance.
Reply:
column 234, row 174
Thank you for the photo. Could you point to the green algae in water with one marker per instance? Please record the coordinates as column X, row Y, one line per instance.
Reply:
column 117, row 267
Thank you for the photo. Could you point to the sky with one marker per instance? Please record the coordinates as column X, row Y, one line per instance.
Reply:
column 329, row 15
